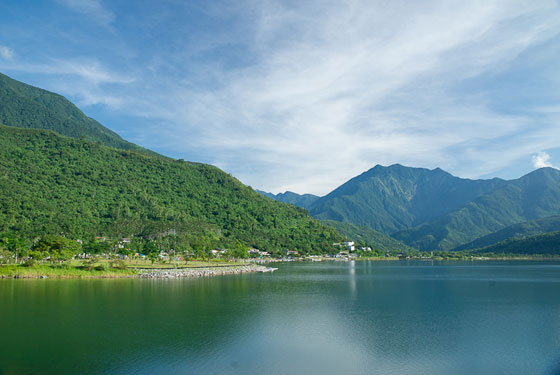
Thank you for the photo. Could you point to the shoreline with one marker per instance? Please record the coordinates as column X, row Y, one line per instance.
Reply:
column 177, row 273
column 137, row 273
column 49, row 272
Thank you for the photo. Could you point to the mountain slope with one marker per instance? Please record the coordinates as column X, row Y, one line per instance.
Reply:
column 533, row 196
column 525, row 229
column 25, row 106
column 542, row 244
column 305, row 200
column 390, row 199
column 57, row 185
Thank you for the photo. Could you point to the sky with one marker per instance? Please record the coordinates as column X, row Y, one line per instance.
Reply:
column 304, row 95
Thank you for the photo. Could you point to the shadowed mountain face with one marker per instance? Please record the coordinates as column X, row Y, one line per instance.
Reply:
column 25, row 106
column 541, row 244
column 533, row 196
column 520, row 230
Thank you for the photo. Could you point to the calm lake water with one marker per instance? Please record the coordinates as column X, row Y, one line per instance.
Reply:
column 346, row 318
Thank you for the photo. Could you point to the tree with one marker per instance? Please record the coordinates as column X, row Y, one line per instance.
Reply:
column 57, row 247
column 241, row 251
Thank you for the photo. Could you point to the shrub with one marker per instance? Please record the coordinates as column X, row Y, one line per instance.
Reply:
column 29, row 263
column 119, row 264
column 102, row 267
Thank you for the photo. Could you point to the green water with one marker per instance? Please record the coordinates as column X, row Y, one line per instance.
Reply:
column 322, row 318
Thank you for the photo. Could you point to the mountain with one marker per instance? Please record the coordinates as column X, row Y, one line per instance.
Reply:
column 542, row 244
column 53, row 184
column 533, row 196
column 391, row 199
column 305, row 200
column 25, row 106
column 433, row 210
column 525, row 229
column 370, row 237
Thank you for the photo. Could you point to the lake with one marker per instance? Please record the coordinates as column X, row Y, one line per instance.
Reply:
column 380, row 317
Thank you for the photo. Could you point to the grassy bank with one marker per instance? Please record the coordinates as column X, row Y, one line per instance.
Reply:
column 182, row 264
column 62, row 272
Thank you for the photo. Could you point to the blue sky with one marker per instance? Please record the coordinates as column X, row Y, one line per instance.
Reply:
column 302, row 96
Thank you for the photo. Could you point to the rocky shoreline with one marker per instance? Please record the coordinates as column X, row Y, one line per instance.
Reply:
column 194, row 273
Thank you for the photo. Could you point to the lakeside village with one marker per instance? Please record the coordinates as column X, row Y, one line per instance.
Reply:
column 131, row 252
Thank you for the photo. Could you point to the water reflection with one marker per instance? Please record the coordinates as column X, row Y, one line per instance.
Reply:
column 355, row 317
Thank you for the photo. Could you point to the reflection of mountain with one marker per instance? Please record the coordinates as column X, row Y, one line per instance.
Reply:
column 396, row 317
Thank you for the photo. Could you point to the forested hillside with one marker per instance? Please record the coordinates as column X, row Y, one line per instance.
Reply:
column 525, row 229
column 433, row 210
column 389, row 199
column 25, row 106
column 542, row 244
column 56, row 185
column 533, row 196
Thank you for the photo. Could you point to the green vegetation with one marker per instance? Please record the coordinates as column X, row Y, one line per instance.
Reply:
column 389, row 199
column 525, row 229
column 542, row 244
column 433, row 210
column 25, row 106
column 95, row 184
column 62, row 272
column 533, row 196
column 56, row 185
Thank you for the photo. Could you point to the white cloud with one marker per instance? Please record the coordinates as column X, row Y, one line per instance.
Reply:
column 325, row 90
column 6, row 53
column 82, row 79
column 542, row 160
column 338, row 87
column 91, row 8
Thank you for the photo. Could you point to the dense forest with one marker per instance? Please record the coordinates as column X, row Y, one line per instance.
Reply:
column 541, row 244
column 80, row 189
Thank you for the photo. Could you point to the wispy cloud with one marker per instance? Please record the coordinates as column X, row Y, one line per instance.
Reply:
column 304, row 95
column 90, row 8
column 336, row 88
column 83, row 79
column 542, row 160
column 6, row 53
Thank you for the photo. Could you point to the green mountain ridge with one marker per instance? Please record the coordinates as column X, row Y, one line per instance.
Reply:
column 541, row 244
column 26, row 106
column 52, row 184
column 533, row 196
column 426, row 209
column 520, row 230
column 300, row 200
column 390, row 199
column 433, row 210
